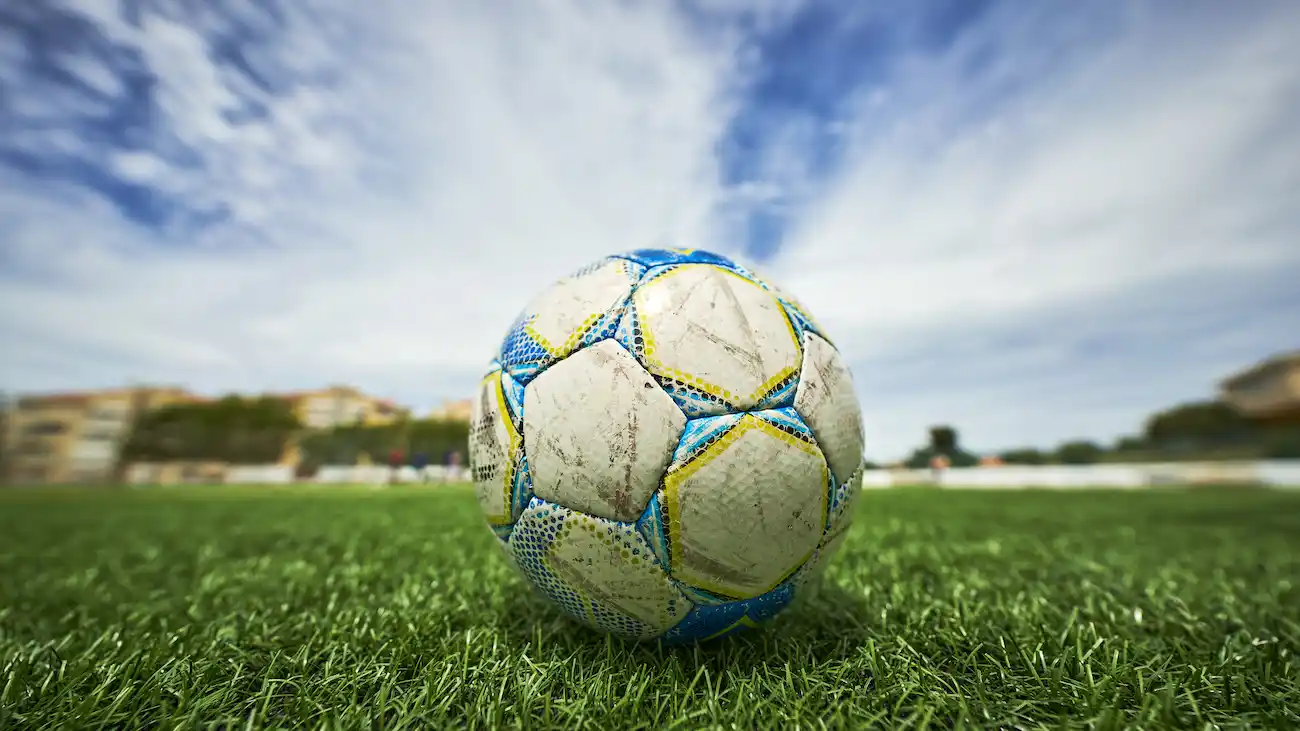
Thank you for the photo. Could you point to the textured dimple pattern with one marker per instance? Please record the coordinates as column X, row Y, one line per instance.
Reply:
column 745, row 511
column 825, row 400
column 716, row 341
column 496, row 452
column 653, row 530
column 579, row 310
column 667, row 446
column 514, row 393
column 529, row 545
column 843, row 500
column 712, row 621
column 660, row 257
column 693, row 399
column 598, row 571
column 600, row 432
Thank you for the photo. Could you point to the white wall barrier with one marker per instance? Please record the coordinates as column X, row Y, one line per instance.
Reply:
column 382, row 474
column 877, row 478
column 1058, row 477
column 353, row 475
column 140, row 474
column 1279, row 473
column 1275, row 473
column 270, row 474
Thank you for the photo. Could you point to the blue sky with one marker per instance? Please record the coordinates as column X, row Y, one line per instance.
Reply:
column 1033, row 222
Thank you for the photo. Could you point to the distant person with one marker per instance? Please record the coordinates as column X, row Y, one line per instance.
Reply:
column 452, row 460
column 395, row 462
column 938, row 463
column 420, row 461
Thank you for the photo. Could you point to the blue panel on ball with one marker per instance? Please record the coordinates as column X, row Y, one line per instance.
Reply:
column 788, row 421
column 801, row 321
column 521, row 355
column 654, row 273
column 707, row 622
column 606, row 326
column 782, row 394
column 529, row 547
column 514, row 392
column 526, row 352
column 598, row 571
column 700, row 433
column 691, row 400
column 659, row 257
column 628, row 332
column 651, row 527
column 522, row 494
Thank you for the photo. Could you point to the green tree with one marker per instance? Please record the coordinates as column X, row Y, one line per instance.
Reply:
column 1282, row 443
column 231, row 429
column 1024, row 456
column 434, row 438
column 343, row 445
column 943, row 439
column 1079, row 452
column 1130, row 444
column 943, row 442
column 1198, row 425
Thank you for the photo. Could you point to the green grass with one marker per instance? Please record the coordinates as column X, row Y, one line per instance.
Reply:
column 340, row 607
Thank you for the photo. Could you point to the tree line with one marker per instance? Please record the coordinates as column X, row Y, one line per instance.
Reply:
column 1193, row 430
column 416, row 442
column 253, row 431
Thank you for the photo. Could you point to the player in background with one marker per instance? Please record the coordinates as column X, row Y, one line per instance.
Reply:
column 420, row 461
column 395, row 462
column 938, row 463
column 452, row 461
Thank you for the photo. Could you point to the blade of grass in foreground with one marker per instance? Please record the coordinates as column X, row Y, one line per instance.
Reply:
column 334, row 606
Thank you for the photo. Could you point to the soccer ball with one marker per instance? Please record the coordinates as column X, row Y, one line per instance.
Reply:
column 667, row 446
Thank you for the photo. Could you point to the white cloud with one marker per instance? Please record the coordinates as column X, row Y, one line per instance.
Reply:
column 1097, row 181
column 386, row 224
column 1004, row 249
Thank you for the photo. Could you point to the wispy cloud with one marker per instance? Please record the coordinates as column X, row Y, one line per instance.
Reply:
column 1061, row 223
column 1033, row 224
column 373, row 215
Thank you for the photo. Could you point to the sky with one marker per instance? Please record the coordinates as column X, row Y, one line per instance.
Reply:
column 1033, row 221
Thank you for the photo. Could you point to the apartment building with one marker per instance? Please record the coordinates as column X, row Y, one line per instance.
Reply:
column 1267, row 392
column 341, row 406
column 457, row 410
column 74, row 436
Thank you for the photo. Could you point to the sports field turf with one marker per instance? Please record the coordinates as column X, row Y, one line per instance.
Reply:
column 355, row 607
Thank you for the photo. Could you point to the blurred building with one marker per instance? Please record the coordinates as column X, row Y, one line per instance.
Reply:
column 74, row 436
column 457, row 410
column 1267, row 392
column 334, row 406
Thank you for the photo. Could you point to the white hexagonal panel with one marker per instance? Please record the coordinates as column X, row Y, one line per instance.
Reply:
column 494, row 450
column 749, row 507
column 716, row 332
column 599, row 432
column 827, row 402
column 574, row 311
column 799, row 314
column 598, row 571
column 843, row 501
column 808, row 578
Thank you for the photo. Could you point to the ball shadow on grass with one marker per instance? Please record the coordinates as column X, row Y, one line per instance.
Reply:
column 827, row 626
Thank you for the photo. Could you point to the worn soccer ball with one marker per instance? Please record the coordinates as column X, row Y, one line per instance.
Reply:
column 667, row 445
